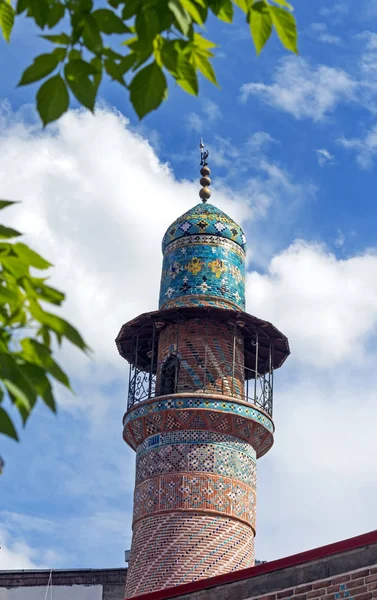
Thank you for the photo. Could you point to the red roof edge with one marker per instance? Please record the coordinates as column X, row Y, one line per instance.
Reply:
column 274, row 565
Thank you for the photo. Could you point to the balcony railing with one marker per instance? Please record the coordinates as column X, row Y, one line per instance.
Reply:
column 257, row 390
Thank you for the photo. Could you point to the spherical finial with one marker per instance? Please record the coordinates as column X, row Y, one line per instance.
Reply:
column 205, row 194
column 205, row 180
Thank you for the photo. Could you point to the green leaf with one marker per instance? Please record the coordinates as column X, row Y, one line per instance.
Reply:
column 15, row 266
column 7, row 295
column 58, row 325
column 52, row 99
column 260, row 24
column 181, row 15
column 114, row 71
column 80, row 67
column 60, row 38
column 30, row 257
column 108, row 22
column 75, row 54
column 203, row 43
column 8, row 232
column 91, row 34
column 242, row 4
column 6, row 425
column 6, row 19
column 186, row 75
column 202, row 63
column 130, row 9
column 147, row 24
column 41, row 383
column 19, row 398
column 6, row 203
column 42, row 66
column 147, row 89
column 55, row 14
column 284, row 3
column 223, row 9
column 82, row 87
column 47, row 293
column 39, row 10
column 285, row 26
column 193, row 11
column 40, row 355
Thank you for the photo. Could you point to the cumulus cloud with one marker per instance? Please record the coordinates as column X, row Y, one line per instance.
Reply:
column 96, row 201
column 327, row 307
column 302, row 90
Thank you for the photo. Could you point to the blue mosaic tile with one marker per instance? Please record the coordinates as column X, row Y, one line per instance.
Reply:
column 218, row 405
column 204, row 218
column 205, row 271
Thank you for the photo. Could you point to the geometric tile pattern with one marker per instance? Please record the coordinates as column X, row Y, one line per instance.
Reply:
column 181, row 413
column 204, row 219
column 208, row 271
column 220, row 458
column 195, row 492
column 186, row 547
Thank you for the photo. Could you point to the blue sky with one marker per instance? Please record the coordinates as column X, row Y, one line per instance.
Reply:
column 293, row 146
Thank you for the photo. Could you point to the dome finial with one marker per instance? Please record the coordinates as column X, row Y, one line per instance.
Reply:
column 205, row 181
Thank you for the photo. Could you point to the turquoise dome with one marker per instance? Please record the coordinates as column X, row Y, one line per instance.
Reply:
column 204, row 261
column 204, row 219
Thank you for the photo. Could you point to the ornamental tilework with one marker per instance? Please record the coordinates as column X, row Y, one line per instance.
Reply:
column 204, row 219
column 218, row 454
column 194, row 491
column 232, row 407
column 200, row 273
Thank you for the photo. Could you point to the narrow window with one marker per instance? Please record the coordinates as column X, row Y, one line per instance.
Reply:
column 169, row 376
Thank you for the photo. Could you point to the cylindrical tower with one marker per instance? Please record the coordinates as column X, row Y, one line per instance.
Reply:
column 199, row 406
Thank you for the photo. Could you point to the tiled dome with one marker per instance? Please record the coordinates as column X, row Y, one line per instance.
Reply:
column 205, row 219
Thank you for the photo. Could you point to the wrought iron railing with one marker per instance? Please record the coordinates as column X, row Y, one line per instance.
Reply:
column 258, row 391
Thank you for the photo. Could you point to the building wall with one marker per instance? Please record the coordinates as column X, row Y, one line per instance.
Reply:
column 85, row 584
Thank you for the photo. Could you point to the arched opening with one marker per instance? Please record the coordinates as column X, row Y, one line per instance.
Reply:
column 169, row 376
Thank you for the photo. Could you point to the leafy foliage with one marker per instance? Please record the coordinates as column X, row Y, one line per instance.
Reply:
column 159, row 38
column 27, row 331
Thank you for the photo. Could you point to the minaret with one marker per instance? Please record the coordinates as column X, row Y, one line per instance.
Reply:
column 199, row 406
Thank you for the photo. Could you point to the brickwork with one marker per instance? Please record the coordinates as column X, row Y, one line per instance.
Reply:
column 186, row 547
column 197, row 441
column 205, row 353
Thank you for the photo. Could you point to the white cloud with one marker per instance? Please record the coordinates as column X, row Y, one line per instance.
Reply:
column 365, row 147
column 302, row 90
column 15, row 553
column 327, row 307
column 324, row 157
column 96, row 201
column 338, row 9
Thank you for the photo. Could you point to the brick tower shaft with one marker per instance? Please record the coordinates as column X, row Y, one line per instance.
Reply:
column 199, row 407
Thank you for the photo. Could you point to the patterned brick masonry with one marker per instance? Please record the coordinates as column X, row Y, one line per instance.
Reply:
column 196, row 438
column 356, row 585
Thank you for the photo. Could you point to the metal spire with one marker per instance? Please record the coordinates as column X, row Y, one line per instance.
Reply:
column 205, row 181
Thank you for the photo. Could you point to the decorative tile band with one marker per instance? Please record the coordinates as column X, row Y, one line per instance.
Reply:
column 197, row 492
column 220, row 457
column 203, row 240
column 172, row 548
column 191, row 436
column 180, row 403
column 203, row 270
column 204, row 219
